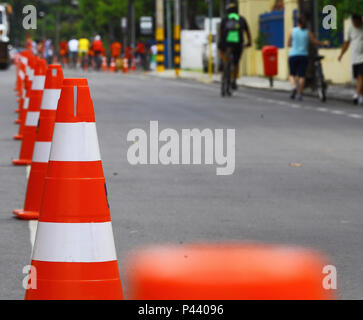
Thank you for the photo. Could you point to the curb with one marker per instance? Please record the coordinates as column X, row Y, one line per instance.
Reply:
column 207, row 81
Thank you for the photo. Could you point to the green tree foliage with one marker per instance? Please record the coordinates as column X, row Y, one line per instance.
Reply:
column 345, row 8
column 91, row 17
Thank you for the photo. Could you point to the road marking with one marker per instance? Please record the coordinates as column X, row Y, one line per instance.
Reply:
column 337, row 112
column 272, row 101
column 355, row 116
column 322, row 109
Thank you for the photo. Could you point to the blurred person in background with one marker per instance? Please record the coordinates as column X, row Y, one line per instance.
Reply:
column 63, row 52
column 83, row 48
column 153, row 53
column 115, row 49
column 91, row 56
column 299, row 56
column 278, row 6
column 354, row 39
column 141, row 51
column 232, row 31
column 48, row 51
column 73, row 52
column 98, row 49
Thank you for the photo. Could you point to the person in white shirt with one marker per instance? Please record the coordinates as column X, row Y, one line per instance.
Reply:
column 354, row 39
column 73, row 51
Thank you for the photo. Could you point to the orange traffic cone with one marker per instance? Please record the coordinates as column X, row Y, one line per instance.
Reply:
column 104, row 64
column 126, row 65
column 52, row 88
column 227, row 272
column 112, row 65
column 32, row 115
column 133, row 64
column 29, row 61
column 20, row 86
column 74, row 252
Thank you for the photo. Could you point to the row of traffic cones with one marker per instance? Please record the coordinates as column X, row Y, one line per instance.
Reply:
column 113, row 65
column 74, row 252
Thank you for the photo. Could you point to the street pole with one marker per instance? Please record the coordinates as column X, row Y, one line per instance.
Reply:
column 131, row 23
column 160, row 35
column 177, row 37
column 210, row 38
column 185, row 14
column 301, row 7
column 168, row 32
column 316, row 18
column 57, row 31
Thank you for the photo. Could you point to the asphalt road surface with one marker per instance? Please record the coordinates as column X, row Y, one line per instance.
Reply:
column 298, row 177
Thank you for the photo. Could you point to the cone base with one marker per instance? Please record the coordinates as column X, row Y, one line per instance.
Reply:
column 21, row 162
column 18, row 137
column 26, row 215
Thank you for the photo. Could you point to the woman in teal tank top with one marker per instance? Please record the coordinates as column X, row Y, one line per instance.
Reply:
column 298, row 56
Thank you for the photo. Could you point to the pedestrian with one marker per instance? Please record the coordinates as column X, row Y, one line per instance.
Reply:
column 354, row 39
column 98, row 50
column 153, row 53
column 73, row 52
column 63, row 51
column 83, row 48
column 115, row 49
column 141, row 50
column 278, row 6
column 298, row 56
column 48, row 51
column 91, row 56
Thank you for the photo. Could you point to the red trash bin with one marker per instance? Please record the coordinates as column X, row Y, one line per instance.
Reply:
column 270, row 60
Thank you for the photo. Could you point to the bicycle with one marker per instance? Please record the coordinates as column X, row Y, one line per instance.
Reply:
column 315, row 76
column 228, row 70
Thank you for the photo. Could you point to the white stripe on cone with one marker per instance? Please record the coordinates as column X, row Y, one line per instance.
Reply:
column 74, row 242
column 50, row 99
column 41, row 151
column 21, row 75
column 75, row 142
column 24, row 60
column 38, row 83
column 26, row 103
column 32, row 118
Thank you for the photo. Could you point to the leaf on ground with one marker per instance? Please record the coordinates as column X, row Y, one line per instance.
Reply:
column 296, row 165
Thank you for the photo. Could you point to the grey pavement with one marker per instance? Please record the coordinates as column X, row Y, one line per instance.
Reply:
column 317, row 204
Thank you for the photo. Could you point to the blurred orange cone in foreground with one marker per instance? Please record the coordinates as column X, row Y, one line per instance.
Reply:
column 74, row 252
column 52, row 88
column 226, row 272
column 28, row 60
column 22, row 61
column 32, row 115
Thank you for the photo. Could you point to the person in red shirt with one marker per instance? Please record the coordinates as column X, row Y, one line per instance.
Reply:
column 63, row 51
column 128, row 53
column 141, row 52
column 98, row 49
column 115, row 48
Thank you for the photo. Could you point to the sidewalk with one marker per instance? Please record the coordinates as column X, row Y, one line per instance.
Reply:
column 337, row 92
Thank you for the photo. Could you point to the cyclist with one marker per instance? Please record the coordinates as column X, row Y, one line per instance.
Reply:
column 233, row 27
column 83, row 47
